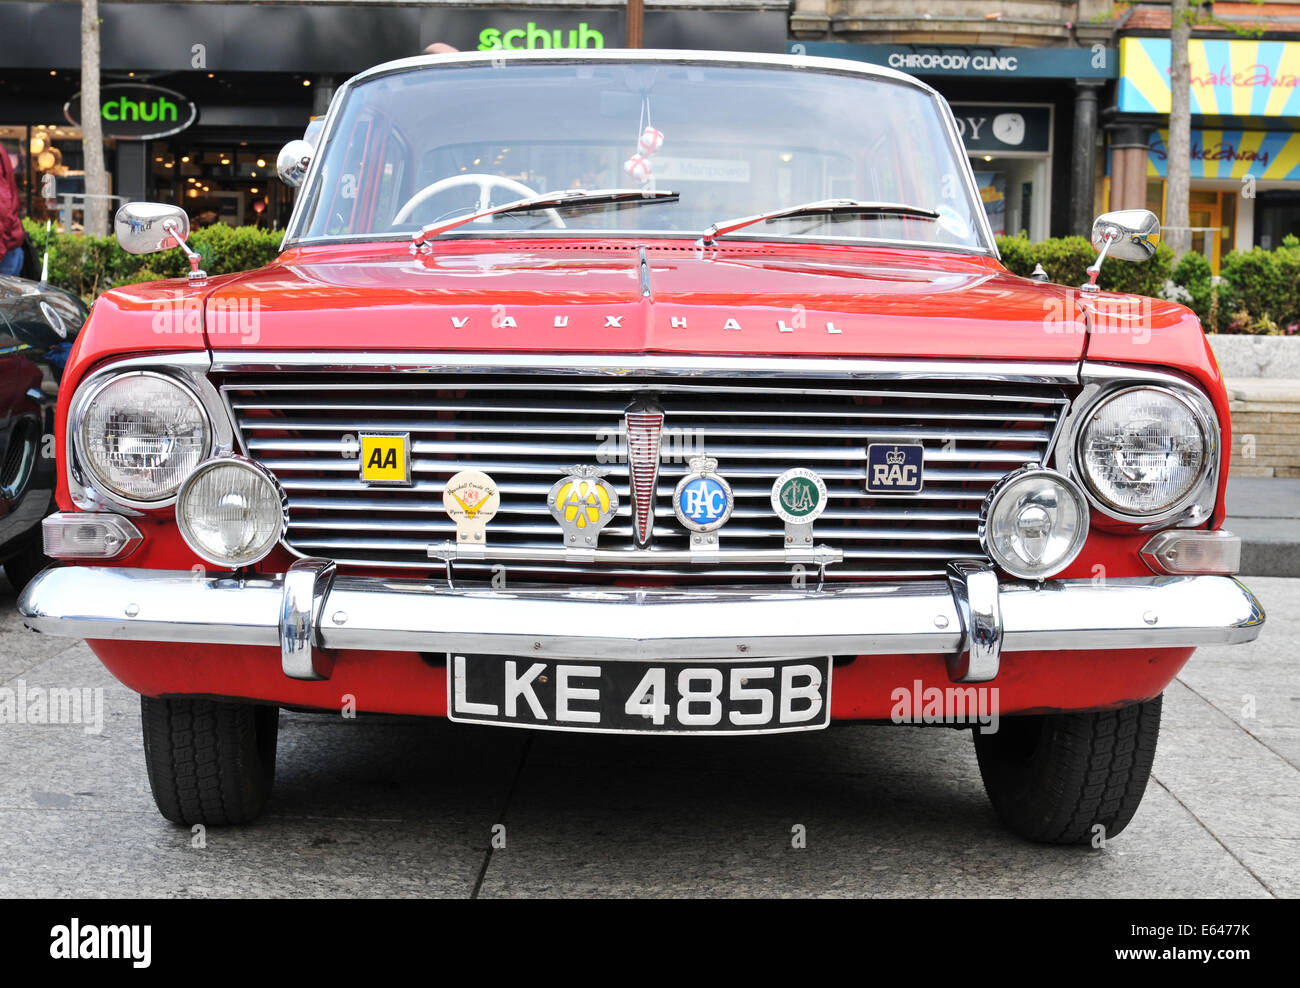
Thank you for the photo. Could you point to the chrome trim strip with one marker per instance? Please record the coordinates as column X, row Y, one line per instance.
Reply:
column 460, row 234
column 820, row 555
column 974, row 586
column 643, row 262
column 305, row 588
column 387, row 614
column 624, row 365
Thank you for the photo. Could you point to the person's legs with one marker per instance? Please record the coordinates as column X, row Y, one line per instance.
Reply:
column 12, row 262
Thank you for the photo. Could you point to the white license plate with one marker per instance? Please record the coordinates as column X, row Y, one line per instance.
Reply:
column 763, row 696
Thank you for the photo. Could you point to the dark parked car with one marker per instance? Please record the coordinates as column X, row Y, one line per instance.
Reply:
column 38, row 325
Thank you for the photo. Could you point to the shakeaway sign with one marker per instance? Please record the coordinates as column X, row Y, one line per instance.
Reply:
column 134, row 111
column 1241, row 77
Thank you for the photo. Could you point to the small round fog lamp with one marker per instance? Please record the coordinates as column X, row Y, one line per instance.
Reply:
column 231, row 511
column 1034, row 523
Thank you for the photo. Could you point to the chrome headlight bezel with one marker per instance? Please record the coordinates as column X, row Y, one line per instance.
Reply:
column 1105, row 383
column 252, row 466
column 188, row 370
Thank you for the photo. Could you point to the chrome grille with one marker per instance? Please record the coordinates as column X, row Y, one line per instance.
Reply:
column 527, row 431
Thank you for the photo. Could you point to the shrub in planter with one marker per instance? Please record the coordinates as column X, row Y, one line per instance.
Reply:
column 91, row 265
column 1262, row 288
column 1066, row 261
column 1192, row 284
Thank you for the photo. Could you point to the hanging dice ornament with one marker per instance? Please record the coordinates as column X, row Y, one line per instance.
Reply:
column 651, row 141
column 638, row 168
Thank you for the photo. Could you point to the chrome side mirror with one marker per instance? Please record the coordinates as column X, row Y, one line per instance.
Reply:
column 292, row 162
column 149, row 227
column 1129, row 234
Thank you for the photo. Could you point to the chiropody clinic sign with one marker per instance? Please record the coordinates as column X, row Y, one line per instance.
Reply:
column 1230, row 77
column 132, row 111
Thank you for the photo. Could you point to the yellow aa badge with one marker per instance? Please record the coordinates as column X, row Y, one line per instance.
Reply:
column 583, row 503
column 386, row 458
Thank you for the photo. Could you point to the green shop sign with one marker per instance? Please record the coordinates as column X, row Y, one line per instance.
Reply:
column 133, row 111
column 531, row 35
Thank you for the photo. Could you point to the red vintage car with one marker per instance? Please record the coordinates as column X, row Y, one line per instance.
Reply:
column 644, row 392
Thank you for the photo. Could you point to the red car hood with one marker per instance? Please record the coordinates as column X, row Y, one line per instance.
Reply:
column 742, row 298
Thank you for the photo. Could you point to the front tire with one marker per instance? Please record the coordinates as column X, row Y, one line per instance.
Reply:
column 1055, row 778
column 210, row 762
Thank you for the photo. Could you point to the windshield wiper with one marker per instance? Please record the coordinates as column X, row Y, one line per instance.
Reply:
column 822, row 207
column 564, row 199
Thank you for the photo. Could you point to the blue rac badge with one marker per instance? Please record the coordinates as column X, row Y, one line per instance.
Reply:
column 703, row 500
column 895, row 468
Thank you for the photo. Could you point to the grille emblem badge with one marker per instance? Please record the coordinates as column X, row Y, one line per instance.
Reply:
column 798, row 498
column 471, row 498
column 895, row 468
column 702, row 502
column 385, row 459
column 643, row 423
column 583, row 503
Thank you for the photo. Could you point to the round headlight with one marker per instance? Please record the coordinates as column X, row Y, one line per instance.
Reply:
column 1033, row 523
column 1143, row 450
column 141, row 434
column 231, row 512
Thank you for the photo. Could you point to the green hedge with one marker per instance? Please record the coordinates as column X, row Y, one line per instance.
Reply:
column 1066, row 260
column 1257, row 291
column 91, row 265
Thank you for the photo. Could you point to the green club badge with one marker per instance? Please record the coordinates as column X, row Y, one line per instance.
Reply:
column 799, row 496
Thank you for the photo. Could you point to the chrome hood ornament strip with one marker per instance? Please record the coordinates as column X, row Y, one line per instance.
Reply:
column 643, row 423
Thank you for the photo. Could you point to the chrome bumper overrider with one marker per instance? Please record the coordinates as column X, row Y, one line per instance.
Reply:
column 971, row 618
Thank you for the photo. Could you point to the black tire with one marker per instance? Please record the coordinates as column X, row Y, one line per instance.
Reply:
column 25, row 564
column 210, row 762
column 1054, row 777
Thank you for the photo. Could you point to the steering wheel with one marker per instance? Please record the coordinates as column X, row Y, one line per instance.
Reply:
column 485, row 183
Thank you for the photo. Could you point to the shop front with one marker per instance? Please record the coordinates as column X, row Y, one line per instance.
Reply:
column 1010, row 147
column 198, row 98
column 1245, row 148
column 1014, row 107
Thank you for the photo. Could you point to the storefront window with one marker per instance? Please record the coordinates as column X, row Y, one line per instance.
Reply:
column 49, row 167
column 1212, row 218
column 231, row 182
column 1277, row 216
column 1014, row 191
column 1010, row 147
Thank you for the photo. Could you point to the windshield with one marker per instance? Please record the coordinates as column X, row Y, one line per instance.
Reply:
column 415, row 146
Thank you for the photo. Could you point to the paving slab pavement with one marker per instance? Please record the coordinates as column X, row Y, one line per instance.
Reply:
column 1265, row 512
column 405, row 807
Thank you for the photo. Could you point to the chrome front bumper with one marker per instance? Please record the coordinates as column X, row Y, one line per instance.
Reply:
column 971, row 618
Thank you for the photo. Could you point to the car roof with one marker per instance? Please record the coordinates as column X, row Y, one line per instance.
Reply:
column 664, row 55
